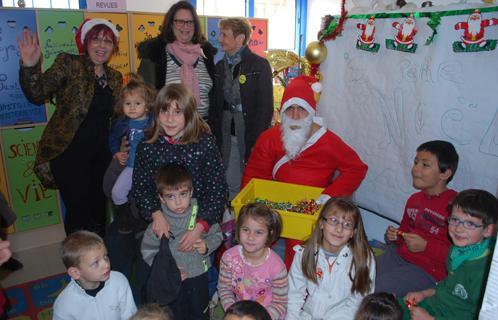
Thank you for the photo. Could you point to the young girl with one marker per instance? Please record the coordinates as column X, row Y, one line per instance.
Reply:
column 180, row 136
column 251, row 270
column 132, row 108
column 246, row 310
column 335, row 269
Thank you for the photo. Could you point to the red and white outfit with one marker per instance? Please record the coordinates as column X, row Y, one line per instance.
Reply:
column 325, row 160
column 368, row 31
column 474, row 28
column 406, row 31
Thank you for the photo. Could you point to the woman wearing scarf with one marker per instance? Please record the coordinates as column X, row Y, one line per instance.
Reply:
column 180, row 54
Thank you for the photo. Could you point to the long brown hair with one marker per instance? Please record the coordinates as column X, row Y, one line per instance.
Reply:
column 177, row 94
column 362, row 254
column 167, row 29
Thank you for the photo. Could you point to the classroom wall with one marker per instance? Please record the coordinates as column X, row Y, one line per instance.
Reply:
column 149, row 6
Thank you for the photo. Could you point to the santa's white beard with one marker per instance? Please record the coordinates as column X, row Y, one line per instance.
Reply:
column 294, row 139
column 474, row 26
column 407, row 29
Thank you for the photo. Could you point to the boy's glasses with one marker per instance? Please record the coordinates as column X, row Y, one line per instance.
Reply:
column 333, row 221
column 181, row 23
column 467, row 224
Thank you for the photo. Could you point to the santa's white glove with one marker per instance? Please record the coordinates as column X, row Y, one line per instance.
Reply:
column 322, row 199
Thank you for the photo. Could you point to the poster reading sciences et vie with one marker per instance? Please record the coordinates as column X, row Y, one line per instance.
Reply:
column 34, row 205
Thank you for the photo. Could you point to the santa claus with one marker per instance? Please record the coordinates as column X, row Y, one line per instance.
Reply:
column 406, row 32
column 302, row 151
column 368, row 32
column 474, row 29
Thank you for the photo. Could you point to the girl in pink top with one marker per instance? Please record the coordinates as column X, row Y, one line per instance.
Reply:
column 251, row 270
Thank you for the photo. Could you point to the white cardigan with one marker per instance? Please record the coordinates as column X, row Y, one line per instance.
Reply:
column 113, row 302
column 332, row 297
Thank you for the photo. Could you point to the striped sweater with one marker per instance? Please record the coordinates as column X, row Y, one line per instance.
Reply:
column 265, row 283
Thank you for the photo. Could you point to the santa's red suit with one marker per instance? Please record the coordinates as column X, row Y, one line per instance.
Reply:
column 368, row 31
column 477, row 36
column 324, row 155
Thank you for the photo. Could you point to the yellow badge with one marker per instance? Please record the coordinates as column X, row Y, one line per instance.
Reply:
column 242, row 79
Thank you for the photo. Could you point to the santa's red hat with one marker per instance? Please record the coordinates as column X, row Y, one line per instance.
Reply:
column 87, row 25
column 302, row 91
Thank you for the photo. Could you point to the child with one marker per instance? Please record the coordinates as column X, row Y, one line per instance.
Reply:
column 471, row 228
column 336, row 268
column 379, row 306
column 179, row 135
column 152, row 311
column 246, row 310
column 416, row 258
column 95, row 292
column 132, row 107
column 174, row 185
column 251, row 270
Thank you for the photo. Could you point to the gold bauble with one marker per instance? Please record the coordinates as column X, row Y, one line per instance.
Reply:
column 315, row 52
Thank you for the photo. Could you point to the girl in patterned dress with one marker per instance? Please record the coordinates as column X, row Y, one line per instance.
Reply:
column 252, row 270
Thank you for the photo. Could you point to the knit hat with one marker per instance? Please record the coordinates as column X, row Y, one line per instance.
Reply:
column 303, row 91
column 87, row 25
column 164, row 283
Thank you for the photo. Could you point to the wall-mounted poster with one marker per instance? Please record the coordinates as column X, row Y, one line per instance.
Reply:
column 259, row 37
column 14, row 108
column 143, row 27
column 34, row 205
column 213, row 33
column 57, row 30
column 121, row 60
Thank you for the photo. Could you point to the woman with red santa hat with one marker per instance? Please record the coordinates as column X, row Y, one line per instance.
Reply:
column 73, row 153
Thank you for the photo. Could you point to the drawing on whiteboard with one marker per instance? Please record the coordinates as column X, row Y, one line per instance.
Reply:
column 489, row 143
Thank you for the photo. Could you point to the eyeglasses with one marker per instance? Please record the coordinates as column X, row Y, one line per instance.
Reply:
column 333, row 221
column 467, row 224
column 101, row 41
column 181, row 23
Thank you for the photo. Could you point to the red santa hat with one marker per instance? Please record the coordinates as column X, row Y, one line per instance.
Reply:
column 476, row 13
column 87, row 25
column 302, row 91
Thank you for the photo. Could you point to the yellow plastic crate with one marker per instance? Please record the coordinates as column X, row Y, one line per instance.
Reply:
column 295, row 225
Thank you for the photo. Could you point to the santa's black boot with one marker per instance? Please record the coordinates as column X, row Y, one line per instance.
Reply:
column 124, row 219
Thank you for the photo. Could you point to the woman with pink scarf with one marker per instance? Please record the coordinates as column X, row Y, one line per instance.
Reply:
column 180, row 54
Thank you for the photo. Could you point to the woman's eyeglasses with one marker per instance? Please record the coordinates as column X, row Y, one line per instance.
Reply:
column 333, row 221
column 467, row 224
column 181, row 23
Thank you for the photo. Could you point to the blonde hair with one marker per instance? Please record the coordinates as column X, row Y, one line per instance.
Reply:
column 238, row 26
column 362, row 254
column 177, row 95
column 135, row 84
column 77, row 244
column 260, row 211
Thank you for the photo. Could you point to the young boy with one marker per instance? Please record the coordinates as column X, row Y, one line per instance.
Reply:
column 174, row 185
column 471, row 227
column 416, row 258
column 95, row 292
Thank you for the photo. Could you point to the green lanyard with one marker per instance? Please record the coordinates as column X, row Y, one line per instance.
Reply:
column 193, row 217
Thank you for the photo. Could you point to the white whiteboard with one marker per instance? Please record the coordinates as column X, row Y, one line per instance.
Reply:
column 386, row 104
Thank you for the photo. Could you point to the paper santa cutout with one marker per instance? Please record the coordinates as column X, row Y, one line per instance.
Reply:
column 367, row 37
column 473, row 34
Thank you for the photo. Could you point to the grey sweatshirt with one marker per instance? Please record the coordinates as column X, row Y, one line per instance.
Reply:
column 191, row 262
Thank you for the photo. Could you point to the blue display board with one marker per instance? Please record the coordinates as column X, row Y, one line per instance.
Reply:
column 14, row 107
column 213, row 32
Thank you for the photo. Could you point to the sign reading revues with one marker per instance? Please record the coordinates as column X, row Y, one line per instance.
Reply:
column 106, row 5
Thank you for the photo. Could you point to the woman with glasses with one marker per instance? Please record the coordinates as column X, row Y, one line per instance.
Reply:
column 73, row 153
column 180, row 54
